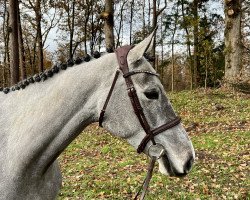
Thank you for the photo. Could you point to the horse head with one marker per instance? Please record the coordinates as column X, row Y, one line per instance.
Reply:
column 162, row 129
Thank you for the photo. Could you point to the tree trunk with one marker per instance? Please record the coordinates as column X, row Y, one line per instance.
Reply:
column 118, row 43
column 162, row 42
column 30, row 57
column 206, row 70
column 190, row 60
column 6, row 63
column 34, row 55
column 14, row 54
column 156, row 14
column 39, row 34
column 131, row 21
column 154, row 24
column 143, row 19
column 196, row 42
column 173, row 64
column 93, row 33
column 71, row 26
column 87, row 16
column 172, row 47
column 149, row 13
column 233, row 38
column 109, row 25
column 21, row 48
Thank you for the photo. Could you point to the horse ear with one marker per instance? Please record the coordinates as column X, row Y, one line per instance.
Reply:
column 144, row 46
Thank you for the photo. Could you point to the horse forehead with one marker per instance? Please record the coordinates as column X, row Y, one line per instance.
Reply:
column 143, row 65
column 147, row 80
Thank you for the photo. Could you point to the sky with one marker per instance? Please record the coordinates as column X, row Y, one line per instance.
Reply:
column 51, row 44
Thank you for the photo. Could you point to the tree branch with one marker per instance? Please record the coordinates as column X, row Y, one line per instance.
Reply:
column 161, row 10
column 32, row 6
column 46, row 32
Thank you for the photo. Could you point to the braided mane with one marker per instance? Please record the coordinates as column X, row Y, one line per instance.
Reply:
column 48, row 73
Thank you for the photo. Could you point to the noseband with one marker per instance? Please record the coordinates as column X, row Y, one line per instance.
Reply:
column 121, row 54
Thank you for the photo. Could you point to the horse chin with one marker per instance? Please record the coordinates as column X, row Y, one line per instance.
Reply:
column 166, row 168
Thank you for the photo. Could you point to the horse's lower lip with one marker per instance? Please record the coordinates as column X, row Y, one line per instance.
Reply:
column 167, row 165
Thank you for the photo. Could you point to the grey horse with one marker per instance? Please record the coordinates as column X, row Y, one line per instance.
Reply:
column 39, row 122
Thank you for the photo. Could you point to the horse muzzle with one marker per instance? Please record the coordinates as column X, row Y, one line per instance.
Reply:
column 167, row 167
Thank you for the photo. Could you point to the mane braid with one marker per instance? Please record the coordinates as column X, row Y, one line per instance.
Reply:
column 48, row 73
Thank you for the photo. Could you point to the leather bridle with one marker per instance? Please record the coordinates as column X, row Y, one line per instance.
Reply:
column 121, row 54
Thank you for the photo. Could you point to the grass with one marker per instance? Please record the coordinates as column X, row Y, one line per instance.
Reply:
column 99, row 166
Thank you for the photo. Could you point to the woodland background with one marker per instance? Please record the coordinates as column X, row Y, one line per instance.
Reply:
column 200, row 43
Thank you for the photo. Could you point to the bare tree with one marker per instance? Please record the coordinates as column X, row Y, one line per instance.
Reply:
column 36, row 6
column 131, row 20
column 14, row 48
column 71, row 25
column 233, row 38
column 245, row 28
column 176, row 16
column 196, row 41
column 108, row 16
column 122, row 9
column 188, row 42
column 96, row 25
column 21, row 48
column 88, row 12
column 156, row 14
column 143, row 19
column 6, row 59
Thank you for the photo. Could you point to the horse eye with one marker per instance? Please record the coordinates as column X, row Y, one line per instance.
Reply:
column 152, row 94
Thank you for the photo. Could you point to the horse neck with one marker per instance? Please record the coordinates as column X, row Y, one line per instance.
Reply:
column 49, row 115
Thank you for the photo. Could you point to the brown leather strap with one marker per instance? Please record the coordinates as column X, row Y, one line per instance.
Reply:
column 101, row 117
column 121, row 54
column 166, row 126
column 145, row 184
column 156, row 131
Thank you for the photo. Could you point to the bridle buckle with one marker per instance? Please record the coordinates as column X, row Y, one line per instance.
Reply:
column 156, row 150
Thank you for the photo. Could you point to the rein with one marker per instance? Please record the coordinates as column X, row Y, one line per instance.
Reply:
column 121, row 54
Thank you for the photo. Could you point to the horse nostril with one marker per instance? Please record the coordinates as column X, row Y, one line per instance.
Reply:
column 180, row 174
column 188, row 164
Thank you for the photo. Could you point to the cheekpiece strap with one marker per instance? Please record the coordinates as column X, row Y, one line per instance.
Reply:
column 121, row 54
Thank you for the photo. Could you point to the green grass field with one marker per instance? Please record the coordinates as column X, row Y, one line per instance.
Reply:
column 99, row 166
